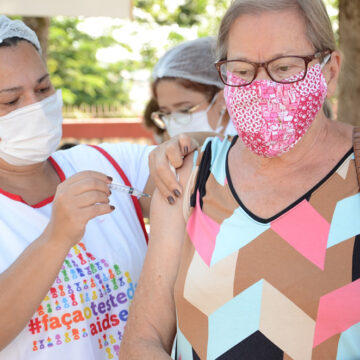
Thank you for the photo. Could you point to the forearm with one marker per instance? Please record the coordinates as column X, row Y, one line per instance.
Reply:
column 145, row 201
column 29, row 277
column 151, row 327
column 137, row 349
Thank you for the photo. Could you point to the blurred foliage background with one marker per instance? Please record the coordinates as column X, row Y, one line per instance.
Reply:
column 105, row 61
column 72, row 53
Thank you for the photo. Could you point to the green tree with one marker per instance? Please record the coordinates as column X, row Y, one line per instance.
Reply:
column 41, row 26
column 71, row 53
column 202, row 15
column 205, row 14
column 187, row 14
column 349, row 35
column 74, row 67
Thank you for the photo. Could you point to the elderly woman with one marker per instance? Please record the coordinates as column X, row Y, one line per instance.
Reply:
column 70, row 251
column 261, row 260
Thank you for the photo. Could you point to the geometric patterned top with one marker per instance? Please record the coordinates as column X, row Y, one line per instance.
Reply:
column 287, row 287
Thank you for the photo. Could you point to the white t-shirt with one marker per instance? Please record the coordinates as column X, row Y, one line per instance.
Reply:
column 84, row 314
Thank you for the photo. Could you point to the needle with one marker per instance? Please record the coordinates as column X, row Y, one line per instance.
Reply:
column 128, row 189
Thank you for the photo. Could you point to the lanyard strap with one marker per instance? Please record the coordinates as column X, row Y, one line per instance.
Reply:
column 127, row 182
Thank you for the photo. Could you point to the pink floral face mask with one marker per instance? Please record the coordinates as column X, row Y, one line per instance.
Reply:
column 270, row 117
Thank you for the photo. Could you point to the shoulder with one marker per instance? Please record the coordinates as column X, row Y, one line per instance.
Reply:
column 217, row 146
column 207, row 152
column 184, row 172
column 119, row 151
column 132, row 158
column 128, row 150
column 213, row 154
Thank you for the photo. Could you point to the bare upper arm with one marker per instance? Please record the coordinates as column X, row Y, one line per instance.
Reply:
column 152, row 319
column 145, row 201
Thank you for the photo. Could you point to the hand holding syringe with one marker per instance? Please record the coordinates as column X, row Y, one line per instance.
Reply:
column 131, row 191
column 128, row 189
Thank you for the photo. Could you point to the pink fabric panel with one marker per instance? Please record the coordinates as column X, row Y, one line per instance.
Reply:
column 305, row 230
column 338, row 311
column 202, row 231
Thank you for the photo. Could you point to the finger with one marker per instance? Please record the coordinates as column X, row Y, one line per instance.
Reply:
column 187, row 144
column 91, row 198
column 164, row 191
column 194, row 145
column 159, row 167
column 93, row 211
column 91, row 184
column 88, row 174
column 166, row 177
column 173, row 152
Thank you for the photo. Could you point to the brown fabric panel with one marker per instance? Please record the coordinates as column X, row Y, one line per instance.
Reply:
column 338, row 266
column 356, row 142
column 194, row 325
column 272, row 258
column 352, row 175
column 200, row 155
column 327, row 350
column 325, row 198
column 287, row 326
column 218, row 203
column 187, row 314
column 287, row 357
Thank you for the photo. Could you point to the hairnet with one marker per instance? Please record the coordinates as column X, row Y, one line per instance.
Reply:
column 16, row 28
column 191, row 60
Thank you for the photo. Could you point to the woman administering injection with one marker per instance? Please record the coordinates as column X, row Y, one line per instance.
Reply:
column 67, row 273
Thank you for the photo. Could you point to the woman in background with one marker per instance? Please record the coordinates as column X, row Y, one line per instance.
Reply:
column 188, row 91
column 159, row 132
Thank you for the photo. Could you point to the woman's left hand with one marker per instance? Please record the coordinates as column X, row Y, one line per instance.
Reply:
column 167, row 157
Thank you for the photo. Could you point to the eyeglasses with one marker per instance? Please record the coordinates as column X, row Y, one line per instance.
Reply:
column 160, row 118
column 283, row 69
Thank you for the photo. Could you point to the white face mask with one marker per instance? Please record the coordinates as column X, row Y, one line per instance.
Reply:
column 29, row 135
column 178, row 123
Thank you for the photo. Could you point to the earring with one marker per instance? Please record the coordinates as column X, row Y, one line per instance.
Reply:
column 222, row 111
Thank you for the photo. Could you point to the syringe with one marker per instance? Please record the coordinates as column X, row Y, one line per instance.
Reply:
column 128, row 189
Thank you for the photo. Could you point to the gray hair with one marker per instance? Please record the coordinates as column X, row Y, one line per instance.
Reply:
column 317, row 21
